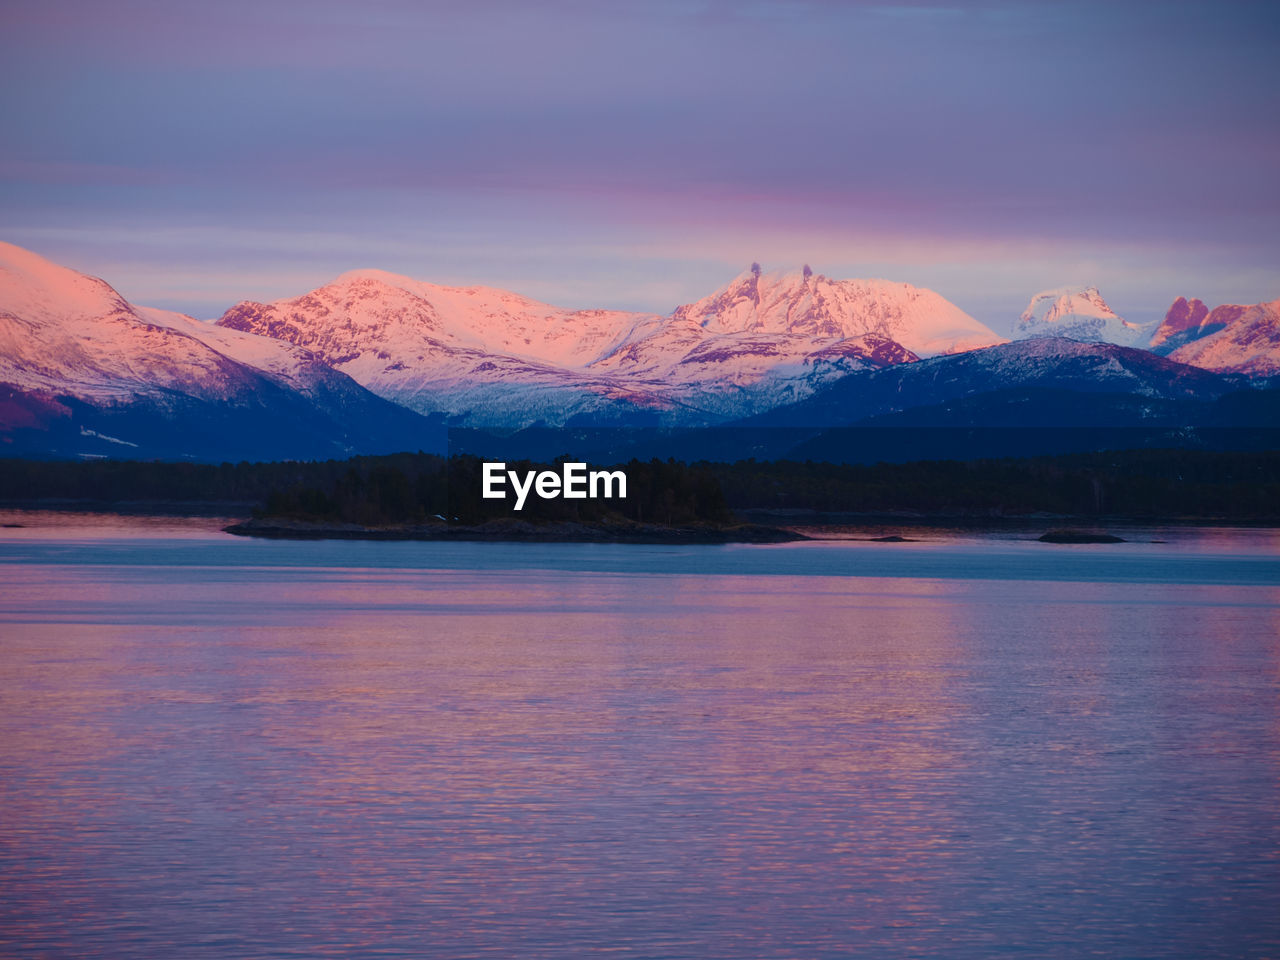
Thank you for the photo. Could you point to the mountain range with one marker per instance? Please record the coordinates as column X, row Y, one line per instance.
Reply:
column 375, row 362
column 493, row 358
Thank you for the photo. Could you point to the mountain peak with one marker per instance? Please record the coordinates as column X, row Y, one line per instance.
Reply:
column 1231, row 337
column 1077, row 313
column 34, row 287
column 803, row 303
column 1061, row 301
column 1183, row 322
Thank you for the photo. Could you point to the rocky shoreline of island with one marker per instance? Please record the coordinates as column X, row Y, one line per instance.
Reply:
column 519, row 531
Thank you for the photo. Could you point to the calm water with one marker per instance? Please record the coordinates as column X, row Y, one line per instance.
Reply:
column 965, row 747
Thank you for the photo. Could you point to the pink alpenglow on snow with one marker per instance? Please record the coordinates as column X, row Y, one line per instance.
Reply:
column 1232, row 338
column 807, row 303
column 84, row 372
column 1078, row 313
column 65, row 332
column 487, row 356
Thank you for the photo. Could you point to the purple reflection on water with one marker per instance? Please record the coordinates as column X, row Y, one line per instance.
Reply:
column 261, row 760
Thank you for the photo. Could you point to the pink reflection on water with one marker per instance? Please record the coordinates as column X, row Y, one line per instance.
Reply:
column 545, row 763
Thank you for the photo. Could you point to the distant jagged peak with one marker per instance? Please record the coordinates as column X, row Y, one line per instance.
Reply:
column 1078, row 313
column 1186, row 312
column 1048, row 306
column 1230, row 338
column 1183, row 321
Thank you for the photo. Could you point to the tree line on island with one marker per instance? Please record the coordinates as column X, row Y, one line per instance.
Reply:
column 423, row 488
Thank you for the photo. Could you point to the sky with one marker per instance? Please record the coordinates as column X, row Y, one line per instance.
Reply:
column 641, row 154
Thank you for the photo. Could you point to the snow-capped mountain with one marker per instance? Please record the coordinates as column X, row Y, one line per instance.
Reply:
column 489, row 357
column 474, row 352
column 1078, row 313
column 800, row 302
column 343, row 368
column 75, row 356
column 65, row 332
column 1229, row 338
column 479, row 355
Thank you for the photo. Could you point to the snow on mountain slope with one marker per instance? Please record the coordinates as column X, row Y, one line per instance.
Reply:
column 281, row 361
column 1231, row 338
column 485, row 356
column 333, row 358
column 368, row 311
column 64, row 332
column 811, row 305
column 478, row 354
column 80, row 367
column 1078, row 313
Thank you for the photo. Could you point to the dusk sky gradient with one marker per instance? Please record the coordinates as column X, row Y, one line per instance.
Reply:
column 640, row 154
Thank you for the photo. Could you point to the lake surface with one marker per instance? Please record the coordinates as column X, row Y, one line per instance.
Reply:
column 971, row 746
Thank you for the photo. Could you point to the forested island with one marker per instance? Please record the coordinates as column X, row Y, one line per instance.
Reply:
column 423, row 495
